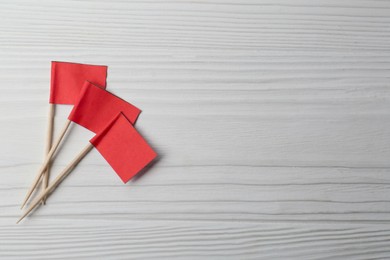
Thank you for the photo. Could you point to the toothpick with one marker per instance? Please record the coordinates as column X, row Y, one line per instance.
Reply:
column 46, row 162
column 49, row 139
column 68, row 169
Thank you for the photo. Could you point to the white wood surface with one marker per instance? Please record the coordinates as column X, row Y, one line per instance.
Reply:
column 271, row 119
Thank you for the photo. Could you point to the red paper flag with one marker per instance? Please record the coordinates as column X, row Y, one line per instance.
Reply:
column 96, row 107
column 68, row 78
column 123, row 148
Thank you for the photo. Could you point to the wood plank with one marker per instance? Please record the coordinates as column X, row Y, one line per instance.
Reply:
column 219, row 193
column 124, row 239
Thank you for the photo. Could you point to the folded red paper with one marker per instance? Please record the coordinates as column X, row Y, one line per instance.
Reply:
column 67, row 79
column 123, row 148
column 96, row 107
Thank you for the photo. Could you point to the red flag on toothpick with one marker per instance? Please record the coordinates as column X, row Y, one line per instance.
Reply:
column 96, row 107
column 66, row 82
column 65, row 85
column 68, row 78
column 123, row 148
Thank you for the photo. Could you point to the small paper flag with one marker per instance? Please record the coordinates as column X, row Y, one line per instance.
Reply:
column 96, row 107
column 123, row 148
column 68, row 78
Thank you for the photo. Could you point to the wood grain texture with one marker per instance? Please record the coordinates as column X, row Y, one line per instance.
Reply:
column 271, row 119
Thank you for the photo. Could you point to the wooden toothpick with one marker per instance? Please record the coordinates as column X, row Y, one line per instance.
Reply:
column 46, row 162
column 49, row 139
column 68, row 169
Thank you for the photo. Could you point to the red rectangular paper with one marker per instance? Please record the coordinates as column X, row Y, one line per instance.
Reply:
column 96, row 107
column 68, row 78
column 123, row 148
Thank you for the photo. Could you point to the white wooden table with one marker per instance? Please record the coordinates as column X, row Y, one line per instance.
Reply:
column 271, row 118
